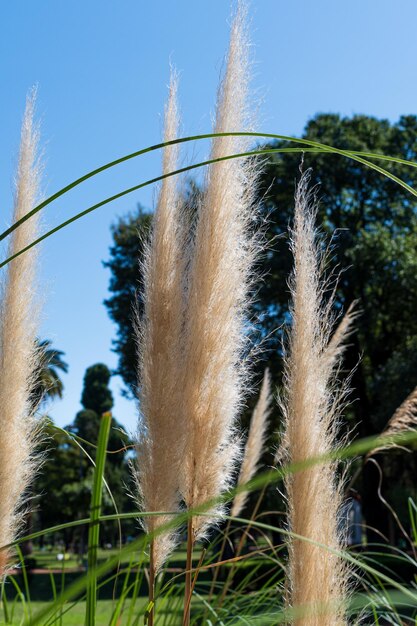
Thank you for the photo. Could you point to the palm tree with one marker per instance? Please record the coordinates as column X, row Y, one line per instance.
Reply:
column 48, row 383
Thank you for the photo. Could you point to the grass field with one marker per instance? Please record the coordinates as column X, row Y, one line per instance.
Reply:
column 73, row 614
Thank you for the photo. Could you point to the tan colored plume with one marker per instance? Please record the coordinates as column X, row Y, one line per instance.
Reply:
column 159, row 445
column 337, row 343
column 403, row 420
column 316, row 576
column 219, row 279
column 18, row 355
column 255, row 443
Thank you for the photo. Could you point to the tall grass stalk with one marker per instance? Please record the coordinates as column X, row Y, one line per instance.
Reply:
column 158, row 332
column 95, row 510
column 223, row 252
column 317, row 584
column 18, row 354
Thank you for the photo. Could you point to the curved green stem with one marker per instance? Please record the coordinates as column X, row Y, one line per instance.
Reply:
column 307, row 146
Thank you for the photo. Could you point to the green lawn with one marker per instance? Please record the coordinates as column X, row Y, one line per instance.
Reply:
column 75, row 614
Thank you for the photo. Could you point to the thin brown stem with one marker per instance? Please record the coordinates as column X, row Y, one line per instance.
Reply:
column 151, row 584
column 188, row 573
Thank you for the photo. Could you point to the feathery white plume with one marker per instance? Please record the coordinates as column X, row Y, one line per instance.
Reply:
column 317, row 576
column 18, row 353
column 219, row 280
column 159, row 444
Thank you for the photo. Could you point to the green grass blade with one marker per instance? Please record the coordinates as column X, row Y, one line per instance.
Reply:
column 94, row 529
column 182, row 170
column 268, row 136
column 19, row 596
column 412, row 511
column 25, row 579
column 5, row 603
column 137, row 584
column 315, row 146
column 119, row 195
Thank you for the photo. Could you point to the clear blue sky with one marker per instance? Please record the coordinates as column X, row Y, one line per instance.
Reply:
column 102, row 67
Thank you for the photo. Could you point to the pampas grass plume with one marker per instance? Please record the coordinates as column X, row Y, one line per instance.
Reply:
column 317, row 575
column 403, row 420
column 18, row 354
column 219, row 279
column 159, row 445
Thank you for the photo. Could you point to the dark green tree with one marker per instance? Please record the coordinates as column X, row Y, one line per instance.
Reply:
column 96, row 395
column 59, row 480
column 64, row 485
column 65, row 482
column 97, row 399
column 125, row 282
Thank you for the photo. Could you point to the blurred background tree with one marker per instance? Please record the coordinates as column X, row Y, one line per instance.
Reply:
column 371, row 223
column 65, row 482
column 125, row 282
